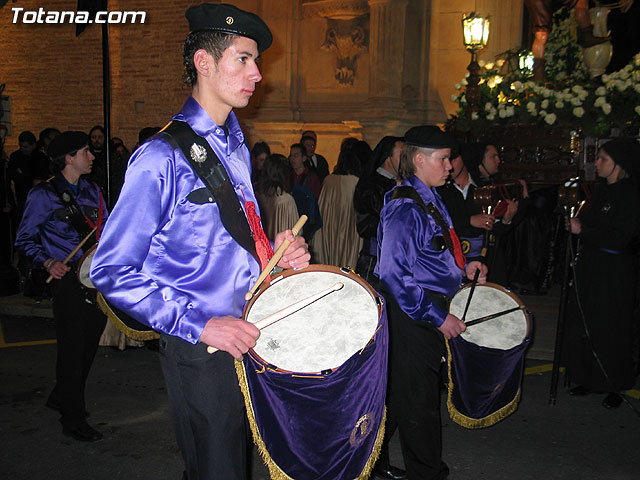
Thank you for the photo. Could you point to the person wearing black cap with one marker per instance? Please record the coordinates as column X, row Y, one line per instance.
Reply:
column 168, row 257
column 420, row 266
column 600, row 311
column 58, row 215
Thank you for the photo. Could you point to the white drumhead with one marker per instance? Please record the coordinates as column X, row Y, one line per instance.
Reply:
column 503, row 332
column 84, row 268
column 322, row 335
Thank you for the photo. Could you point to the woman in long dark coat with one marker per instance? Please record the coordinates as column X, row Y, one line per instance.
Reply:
column 606, row 278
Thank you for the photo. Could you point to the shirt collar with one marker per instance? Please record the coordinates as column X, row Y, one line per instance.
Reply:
column 62, row 184
column 385, row 173
column 465, row 190
column 427, row 193
column 193, row 113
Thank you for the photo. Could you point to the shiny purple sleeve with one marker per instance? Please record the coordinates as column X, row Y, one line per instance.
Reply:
column 404, row 263
column 145, row 205
column 28, row 237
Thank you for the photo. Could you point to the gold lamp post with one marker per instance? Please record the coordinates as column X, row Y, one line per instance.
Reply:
column 475, row 29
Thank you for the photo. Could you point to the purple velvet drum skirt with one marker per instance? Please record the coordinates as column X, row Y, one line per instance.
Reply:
column 315, row 383
column 486, row 362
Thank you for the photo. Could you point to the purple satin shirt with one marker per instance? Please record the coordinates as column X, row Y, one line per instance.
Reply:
column 407, row 262
column 43, row 232
column 166, row 261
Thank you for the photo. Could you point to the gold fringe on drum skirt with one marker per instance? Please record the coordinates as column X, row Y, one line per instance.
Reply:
column 473, row 423
column 274, row 470
column 141, row 336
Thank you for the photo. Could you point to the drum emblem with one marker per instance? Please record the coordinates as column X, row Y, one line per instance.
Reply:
column 361, row 430
column 198, row 153
column 466, row 246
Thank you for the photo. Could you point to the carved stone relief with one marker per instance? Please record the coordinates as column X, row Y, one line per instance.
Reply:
column 347, row 32
column 347, row 39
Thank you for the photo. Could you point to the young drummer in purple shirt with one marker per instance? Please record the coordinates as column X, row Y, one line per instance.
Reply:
column 172, row 265
column 420, row 265
column 47, row 235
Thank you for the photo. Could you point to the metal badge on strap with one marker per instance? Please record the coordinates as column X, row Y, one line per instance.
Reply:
column 74, row 214
column 208, row 167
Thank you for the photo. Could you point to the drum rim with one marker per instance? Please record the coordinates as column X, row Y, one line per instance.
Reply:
column 496, row 286
column 316, row 267
column 89, row 251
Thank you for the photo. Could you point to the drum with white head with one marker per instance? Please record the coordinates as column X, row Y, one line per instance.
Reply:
column 317, row 375
column 84, row 268
column 323, row 335
column 503, row 332
column 486, row 362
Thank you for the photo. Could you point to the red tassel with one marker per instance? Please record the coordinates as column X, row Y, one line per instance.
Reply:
column 263, row 246
column 457, row 249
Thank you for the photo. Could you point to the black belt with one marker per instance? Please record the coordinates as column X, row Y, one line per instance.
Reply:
column 439, row 299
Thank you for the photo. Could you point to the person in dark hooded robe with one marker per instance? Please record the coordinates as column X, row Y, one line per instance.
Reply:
column 599, row 336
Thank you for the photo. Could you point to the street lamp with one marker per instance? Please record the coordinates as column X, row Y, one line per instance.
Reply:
column 475, row 29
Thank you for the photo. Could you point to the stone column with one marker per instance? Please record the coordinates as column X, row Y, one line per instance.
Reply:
column 386, row 49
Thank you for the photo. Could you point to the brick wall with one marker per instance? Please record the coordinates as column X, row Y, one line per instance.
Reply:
column 55, row 78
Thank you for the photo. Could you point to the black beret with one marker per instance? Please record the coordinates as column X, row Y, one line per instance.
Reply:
column 225, row 18
column 66, row 143
column 428, row 136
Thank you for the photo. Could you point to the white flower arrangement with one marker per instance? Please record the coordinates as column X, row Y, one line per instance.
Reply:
column 568, row 99
column 594, row 108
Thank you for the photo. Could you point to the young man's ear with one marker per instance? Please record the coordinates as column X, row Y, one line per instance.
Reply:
column 203, row 62
column 419, row 158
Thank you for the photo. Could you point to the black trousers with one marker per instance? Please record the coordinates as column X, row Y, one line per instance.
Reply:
column 79, row 325
column 207, row 410
column 365, row 266
column 416, row 350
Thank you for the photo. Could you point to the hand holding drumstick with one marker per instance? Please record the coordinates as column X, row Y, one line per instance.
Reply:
column 58, row 269
column 290, row 310
column 295, row 247
column 236, row 336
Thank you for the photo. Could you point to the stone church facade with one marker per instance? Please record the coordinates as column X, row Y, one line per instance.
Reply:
column 361, row 68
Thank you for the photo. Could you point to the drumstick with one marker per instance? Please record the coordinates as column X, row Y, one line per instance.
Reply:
column 483, row 255
column 290, row 310
column 75, row 250
column 476, row 321
column 276, row 257
column 473, row 287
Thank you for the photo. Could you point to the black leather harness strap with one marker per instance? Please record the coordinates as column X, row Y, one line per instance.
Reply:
column 208, row 167
column 406, row 191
